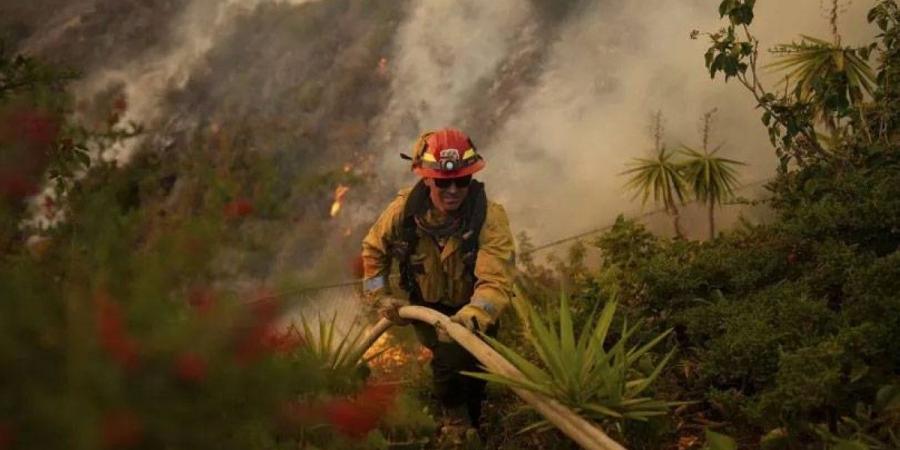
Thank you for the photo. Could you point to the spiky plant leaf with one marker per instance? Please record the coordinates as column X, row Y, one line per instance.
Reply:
column 568, row 356
column 638, row 352
column 511, row 382
column 659, row 177
column 530, row 370
column 711, row 178
column 649, row 380
column 811, row 61
column 595, row 380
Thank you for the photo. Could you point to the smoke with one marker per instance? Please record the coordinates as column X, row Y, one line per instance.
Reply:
column 442, row 53
column 179, row 55
column 555, row 163
column 558, row 95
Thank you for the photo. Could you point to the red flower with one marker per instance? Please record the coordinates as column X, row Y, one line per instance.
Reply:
column 351, row 419
column 36, row 128
column 16, row 185
column 121, row 429
column 191, row 367
column 285, row 342
column 792, row 258
column 6, row 436
column 355, row 417
column 113, row 336
column 260, row 336
column 26, row 136
column 254, row 343
column 238, row 208
column 202, row 299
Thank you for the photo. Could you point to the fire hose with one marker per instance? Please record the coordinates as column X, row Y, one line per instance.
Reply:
column 584, row 433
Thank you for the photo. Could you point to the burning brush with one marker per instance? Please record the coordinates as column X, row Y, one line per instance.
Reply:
column 339, row 194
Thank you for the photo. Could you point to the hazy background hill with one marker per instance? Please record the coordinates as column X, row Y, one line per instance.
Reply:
column 557, row 94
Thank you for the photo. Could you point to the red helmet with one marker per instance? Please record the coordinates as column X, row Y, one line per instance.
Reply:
column 445, row 153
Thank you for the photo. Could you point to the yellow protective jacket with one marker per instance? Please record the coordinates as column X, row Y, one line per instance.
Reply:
column 444, row 279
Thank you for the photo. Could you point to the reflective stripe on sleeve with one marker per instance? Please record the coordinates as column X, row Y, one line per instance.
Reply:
column 374, row 283
column 484, row 306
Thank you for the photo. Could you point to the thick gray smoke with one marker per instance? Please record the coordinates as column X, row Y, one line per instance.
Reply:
column 146, row 79
column 557, row 94
column 444, row 50
column 555, row 162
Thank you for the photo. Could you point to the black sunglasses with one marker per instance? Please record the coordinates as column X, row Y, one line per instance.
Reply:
column 460, row 182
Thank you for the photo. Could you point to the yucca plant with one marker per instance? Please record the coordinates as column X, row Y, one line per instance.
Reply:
column 659, row 176
column 597, row 381
column 712, row 179
column 662, row 178
column 825, row 74
column 333, row 350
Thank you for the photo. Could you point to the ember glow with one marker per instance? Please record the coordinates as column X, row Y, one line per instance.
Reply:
column 339, row 194
column 390, row 358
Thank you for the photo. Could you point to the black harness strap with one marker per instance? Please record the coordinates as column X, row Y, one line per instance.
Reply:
column 474, row 212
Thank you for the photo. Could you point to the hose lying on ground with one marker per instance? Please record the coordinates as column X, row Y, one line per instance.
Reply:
column 586, row 434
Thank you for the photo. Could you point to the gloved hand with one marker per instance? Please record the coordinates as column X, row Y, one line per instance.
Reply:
column 473, row 318
column 390, row 310
column 441, row 333
column 387, row 306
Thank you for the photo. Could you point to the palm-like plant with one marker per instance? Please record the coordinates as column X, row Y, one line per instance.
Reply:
column 660, row 177
column 828, row 76
column 711, row 178
column 595, row 381
column 333, row 350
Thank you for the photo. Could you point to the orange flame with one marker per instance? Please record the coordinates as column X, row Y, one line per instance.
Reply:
column 388, row 359
column 339, row 194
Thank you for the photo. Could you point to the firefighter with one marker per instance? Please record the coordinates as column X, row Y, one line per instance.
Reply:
column 454, row 253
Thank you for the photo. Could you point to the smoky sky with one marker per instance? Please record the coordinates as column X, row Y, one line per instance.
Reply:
column 555, row 162
column 557, row 95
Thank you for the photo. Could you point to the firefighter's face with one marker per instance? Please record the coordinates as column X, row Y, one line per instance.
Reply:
column 448, row 194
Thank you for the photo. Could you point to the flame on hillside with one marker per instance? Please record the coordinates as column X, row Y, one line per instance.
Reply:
column 389, row 358
column 339, row 194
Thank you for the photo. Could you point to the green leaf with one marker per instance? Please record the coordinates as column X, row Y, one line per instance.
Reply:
column 775, row 438
column 568, row 355
column 83, row 158
column 603, row 410
column 717, row 441
column 849, row 445
column 888, row 398
column 511, row 382
column 541, row 425
column 546, row 343
column 646, row 383
column 532, row 372
column 634, row 354
column 726, row 6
